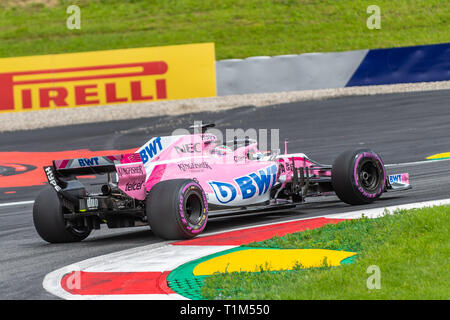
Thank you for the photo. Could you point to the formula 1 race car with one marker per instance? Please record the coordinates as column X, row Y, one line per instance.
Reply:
column 174, row 183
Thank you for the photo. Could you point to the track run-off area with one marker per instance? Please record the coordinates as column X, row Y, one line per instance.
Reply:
column 404, row 129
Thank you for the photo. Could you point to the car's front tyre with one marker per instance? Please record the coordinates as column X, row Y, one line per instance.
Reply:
column 358, row 176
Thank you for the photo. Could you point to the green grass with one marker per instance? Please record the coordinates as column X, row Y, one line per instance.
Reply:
column 411, row 249
column 240, row 28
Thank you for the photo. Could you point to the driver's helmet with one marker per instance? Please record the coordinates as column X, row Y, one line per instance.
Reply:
column 221, row 150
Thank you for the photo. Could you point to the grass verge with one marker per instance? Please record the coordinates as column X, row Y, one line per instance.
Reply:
column 411, row 248
column 240, row 28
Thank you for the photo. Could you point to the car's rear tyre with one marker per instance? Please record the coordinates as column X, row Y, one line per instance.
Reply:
column 49, row 221
column 177, row 209
column 358, row 176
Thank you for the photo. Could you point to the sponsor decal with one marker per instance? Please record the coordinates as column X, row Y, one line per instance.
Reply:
column 132, row 179
column 127, row 170
column 51, row 178
column 88, row 162
column 208, row 137
column 57, row 87
column 225, row 192
column 285, row 167
column 249, row 185
column 194, row 166
column 189, row 148
column 151, row 149
column 131, row 157
column 134, row 186
column 257, row 182
column 395, row 178
column 399, row 178
column 92, row 203
column 107, row 77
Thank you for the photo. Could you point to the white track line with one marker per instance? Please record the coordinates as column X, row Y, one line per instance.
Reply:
column 378, row 212
column 7, row 204
column 407, row 164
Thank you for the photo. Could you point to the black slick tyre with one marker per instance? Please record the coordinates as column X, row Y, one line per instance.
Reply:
column 177, row 209
column 358, row 176
column 49, row 221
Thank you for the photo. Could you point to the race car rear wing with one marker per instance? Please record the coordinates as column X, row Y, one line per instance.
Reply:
column 85, row 166
column 61, row 175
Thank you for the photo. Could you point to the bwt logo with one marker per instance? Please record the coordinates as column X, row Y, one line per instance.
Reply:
column 59, row 87
column 88, row 162
column 151, row 150
column 249, row 185
column 395, row 178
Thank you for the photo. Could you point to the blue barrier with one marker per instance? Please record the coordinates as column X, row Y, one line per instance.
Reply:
column 403, row 65
column 312, row 71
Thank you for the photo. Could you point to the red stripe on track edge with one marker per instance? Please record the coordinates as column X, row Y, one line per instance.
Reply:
column 240, row 237
column 113, row 283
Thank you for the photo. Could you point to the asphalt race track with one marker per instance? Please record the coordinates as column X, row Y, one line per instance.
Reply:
column 402, row 128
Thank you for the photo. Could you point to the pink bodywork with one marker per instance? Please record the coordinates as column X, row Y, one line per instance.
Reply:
column 228, row 179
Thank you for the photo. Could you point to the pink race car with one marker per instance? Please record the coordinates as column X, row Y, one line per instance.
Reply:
column 174, row 183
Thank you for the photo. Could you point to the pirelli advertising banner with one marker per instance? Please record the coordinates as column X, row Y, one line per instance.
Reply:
column 107, row 77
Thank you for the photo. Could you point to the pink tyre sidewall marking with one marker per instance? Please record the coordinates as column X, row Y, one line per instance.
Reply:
column 203, row 220
column 355, row 174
